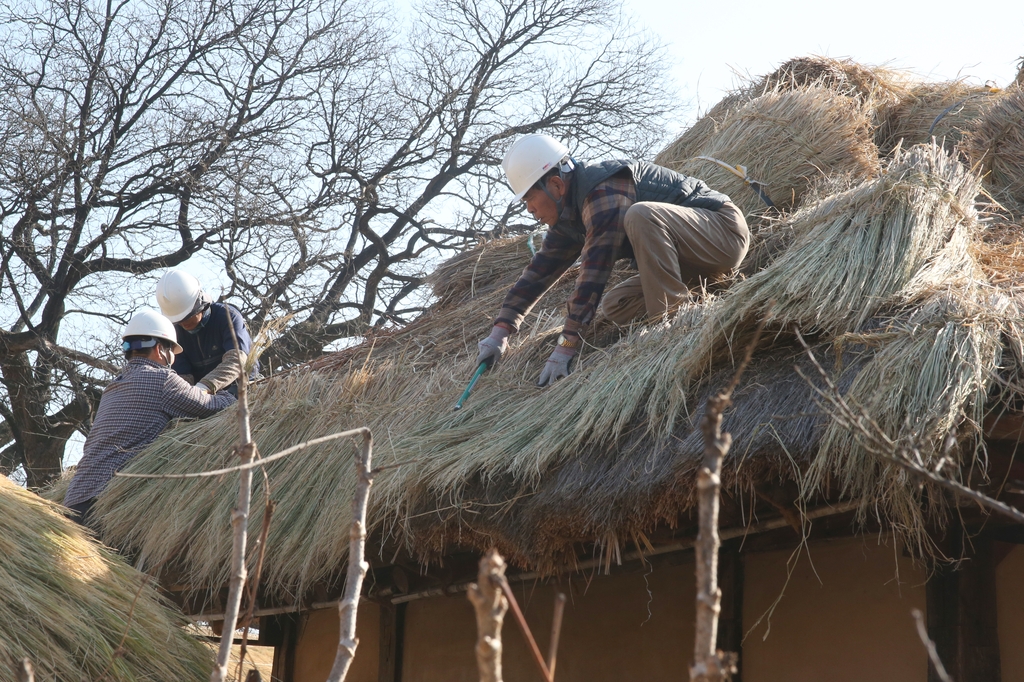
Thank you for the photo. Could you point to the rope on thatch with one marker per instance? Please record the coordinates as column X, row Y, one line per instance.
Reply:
column 996, row 143
column 77, row 610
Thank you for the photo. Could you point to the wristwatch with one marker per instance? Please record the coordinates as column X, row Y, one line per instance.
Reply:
column 565, row 342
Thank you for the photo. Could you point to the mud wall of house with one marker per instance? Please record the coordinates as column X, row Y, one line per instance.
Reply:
column 635, row 625
column 318, row 641
column 841, row 612
column 1010, row 614
column 843, row 615
column 837, row 629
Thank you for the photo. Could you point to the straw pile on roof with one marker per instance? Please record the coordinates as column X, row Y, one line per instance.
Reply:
column 996, row 143
column 70, row 605
column 876, row 88
column 881, row 276
column 941, row 110
column 788, row 140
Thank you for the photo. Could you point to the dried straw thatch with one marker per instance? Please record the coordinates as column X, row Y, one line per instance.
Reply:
column 76, row 610
column 882, row 276
column 788, row 140
column 940, row 110
column 996, row 142
column 875, row 88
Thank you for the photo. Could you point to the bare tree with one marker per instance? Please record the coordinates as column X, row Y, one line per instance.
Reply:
column 324, row 159
column 136, row 134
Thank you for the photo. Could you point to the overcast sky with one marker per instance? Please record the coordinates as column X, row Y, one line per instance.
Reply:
column 939, row 40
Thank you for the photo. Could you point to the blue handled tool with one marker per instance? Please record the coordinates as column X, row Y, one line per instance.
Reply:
column 472, row 382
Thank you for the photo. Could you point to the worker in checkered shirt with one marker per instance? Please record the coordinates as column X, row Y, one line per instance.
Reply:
column 679, row 231
column 135, row 408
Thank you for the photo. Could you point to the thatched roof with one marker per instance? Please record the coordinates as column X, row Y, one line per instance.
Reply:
column 77, row 610
column 883, row 277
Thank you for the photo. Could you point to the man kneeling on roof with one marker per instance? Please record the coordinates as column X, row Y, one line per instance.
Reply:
column 135, row 408
column 214, row 337
column 678, row 230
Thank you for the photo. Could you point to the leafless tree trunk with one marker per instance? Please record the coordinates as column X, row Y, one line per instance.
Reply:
column 709, row 663
column 348, row 607
column 490, row 605
column 239, row 526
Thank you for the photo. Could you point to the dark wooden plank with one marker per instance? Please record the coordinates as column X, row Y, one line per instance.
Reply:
column 961, row 604
column 283, row 633
column 730, row 620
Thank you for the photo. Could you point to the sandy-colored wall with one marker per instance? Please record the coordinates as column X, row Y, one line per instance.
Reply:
column 318, row 641
column 1010, row 614
column 844, row 617
column 622, row 627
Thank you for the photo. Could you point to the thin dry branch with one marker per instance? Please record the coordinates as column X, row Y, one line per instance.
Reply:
column 876, row 442
column 556, row 632
column 254, row 584
column 929, row 645
column 239, row 524
column 490, row 606
column 710, row 664
column 259, row 462
column 357, row 566
column 525, row 628
column 25, row 671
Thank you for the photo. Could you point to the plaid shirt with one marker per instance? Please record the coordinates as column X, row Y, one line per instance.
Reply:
column 603, row 224
column 133, row 410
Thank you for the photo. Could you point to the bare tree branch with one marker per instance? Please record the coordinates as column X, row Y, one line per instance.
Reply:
column 490, row 606
column 348, row 607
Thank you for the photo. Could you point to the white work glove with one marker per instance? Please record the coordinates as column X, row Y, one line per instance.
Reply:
column 493, row 346
column 204, row 388
column 557, row 366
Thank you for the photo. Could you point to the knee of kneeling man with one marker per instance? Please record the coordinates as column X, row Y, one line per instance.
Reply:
column 637, row 216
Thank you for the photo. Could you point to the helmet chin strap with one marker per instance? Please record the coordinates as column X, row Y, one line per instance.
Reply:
column 565, row 167
column 558, row 202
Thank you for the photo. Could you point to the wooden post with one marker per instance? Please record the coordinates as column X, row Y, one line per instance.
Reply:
column 282, row 632
column 392, row 636
column 961, row 613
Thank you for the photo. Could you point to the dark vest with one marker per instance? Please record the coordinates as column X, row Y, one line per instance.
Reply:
column 653, row 183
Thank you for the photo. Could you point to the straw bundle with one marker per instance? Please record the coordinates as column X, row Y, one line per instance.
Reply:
column 996, row 143
column 67, row 603
column 940, row 110
column 788, row 141
column 540, row 471
column 876, row 88
column 875, row 85
column 929, row 377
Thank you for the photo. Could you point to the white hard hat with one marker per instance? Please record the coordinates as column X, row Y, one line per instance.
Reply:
column 177, row 293
column 153, row 324
column 529, row 159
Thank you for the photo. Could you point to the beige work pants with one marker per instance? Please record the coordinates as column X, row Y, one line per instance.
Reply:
column 675, row 248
